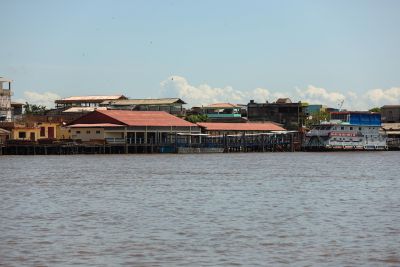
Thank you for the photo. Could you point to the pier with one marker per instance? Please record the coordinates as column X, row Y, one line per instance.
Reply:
column 185, row 143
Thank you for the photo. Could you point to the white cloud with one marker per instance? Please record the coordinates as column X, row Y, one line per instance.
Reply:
column 204, row 94
column 388, row 96
column 315, row 95
column 45, row 99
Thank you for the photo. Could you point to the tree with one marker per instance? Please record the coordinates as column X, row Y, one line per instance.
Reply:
column 33, row 109
column 197, row 118
column 317, row 117
column 375, row 109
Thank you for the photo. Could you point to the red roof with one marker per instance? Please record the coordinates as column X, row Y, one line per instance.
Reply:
column 133, row 118
column 87, row 125
column 220, row 126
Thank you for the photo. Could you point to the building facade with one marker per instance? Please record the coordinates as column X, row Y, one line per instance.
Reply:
column 85, row 101
column 390, row 113
column 291, row 115
column 170, row 105
column 133, row 127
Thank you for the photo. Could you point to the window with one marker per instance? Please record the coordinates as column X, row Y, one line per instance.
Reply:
column 42, row 131
column 97, row 132
column 359, row 128
column 88, row 132
column 342, row 128
column 351, row 128
column 78, row 132
column 22, row 135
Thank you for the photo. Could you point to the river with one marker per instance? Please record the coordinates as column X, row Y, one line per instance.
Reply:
column 244, row 209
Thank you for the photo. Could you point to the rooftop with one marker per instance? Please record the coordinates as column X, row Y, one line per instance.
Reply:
column 152, row 101
column 220, row 126
column 2, row 79
column 3, row 131
column 83, row 109
column 133, row 118
column 89, row 98
column 95, row 125
column 391, row 106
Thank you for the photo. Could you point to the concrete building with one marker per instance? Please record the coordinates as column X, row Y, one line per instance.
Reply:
column 171, row 105
column 5, row 99
column 16, row 110
column 390, row 113
column 133, row 127
column 283, row 111
column 85, row 101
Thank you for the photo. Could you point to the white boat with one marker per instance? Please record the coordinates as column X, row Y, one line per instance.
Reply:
column 347, row 131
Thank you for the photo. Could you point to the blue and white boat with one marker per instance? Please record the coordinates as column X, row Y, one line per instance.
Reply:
column 347, row 130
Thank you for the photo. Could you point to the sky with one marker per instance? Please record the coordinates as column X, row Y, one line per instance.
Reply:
column 204, row 51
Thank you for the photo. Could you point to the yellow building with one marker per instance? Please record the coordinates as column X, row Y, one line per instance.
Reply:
column 63, row 132
column 48, row 130
column 25, row 133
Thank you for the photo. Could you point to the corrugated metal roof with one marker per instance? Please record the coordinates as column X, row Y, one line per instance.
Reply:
column 95, row 125
column 154, row 101
column 3, row 131
column 391, row 126
column 133, row 118
column 220, row 126
column 16, row 103
column 146, row 118
column 2, row 79
column 84, row 109
column 91, row 98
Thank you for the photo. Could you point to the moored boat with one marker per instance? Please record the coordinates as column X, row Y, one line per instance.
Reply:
column 347, row 131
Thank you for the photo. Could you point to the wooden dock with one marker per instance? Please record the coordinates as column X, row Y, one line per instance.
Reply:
column 209, row 144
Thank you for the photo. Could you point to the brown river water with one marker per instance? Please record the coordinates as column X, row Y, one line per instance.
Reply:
column 254, row 209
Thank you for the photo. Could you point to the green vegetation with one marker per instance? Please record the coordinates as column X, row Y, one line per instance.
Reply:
column 375, row 109
column 316, row 117
column 197, row 118
column 33, row 109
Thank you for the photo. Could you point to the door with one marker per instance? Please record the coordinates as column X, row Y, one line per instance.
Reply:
column 51, row 132
column 32, row 136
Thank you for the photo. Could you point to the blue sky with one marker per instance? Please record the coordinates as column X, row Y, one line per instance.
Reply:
column 316, row 51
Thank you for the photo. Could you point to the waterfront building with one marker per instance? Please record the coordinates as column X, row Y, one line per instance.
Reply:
column 348, row 130
column 85, row 101
column 25, row 132
column 390, row 113
column 134, row 127
column 291, row 115
column 171, row 105
column 221, row 128
column 5, row 99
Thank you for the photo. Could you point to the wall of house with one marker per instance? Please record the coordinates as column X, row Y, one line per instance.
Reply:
column 63, row 132
column 45, row 129
column 3, row 138
column 25, row 133
column 86, row 134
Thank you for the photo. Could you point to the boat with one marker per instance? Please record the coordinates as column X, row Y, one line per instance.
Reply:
column 347, row 130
